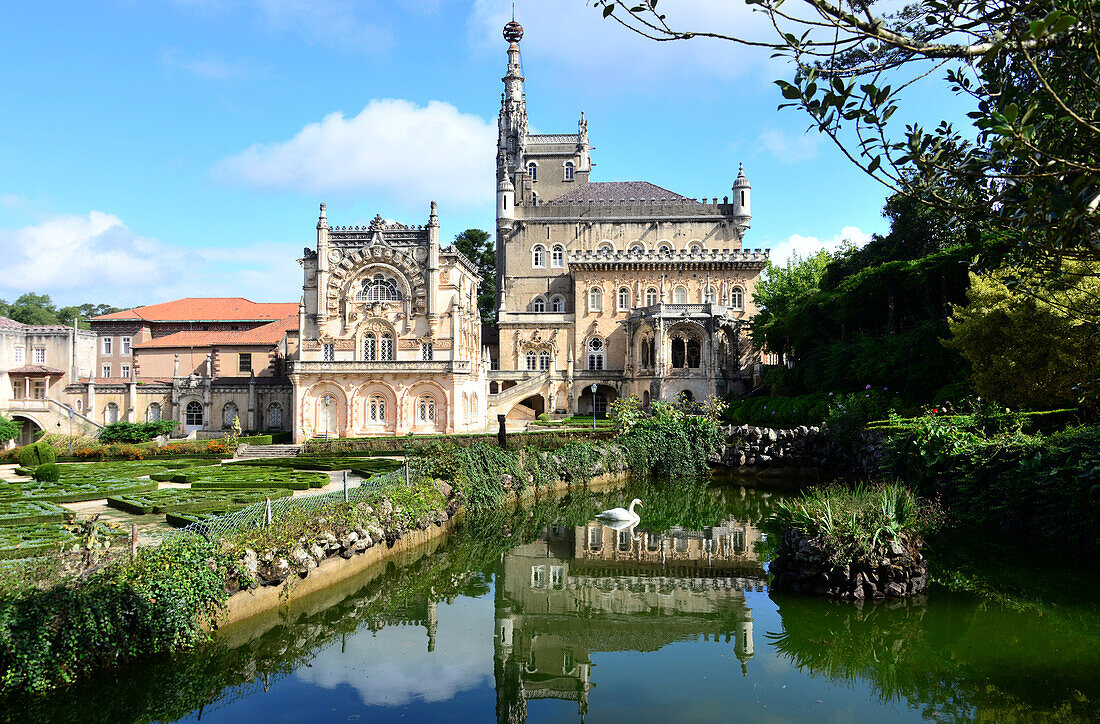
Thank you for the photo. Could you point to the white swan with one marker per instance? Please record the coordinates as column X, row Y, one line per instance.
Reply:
column 621, row 514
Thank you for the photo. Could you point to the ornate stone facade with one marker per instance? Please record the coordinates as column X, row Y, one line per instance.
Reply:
column 623, row 285
column 391, row 334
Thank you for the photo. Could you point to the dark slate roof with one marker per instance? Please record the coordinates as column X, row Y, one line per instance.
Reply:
column 618, row 190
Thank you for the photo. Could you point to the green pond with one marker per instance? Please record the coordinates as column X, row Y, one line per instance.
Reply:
column 539, row 614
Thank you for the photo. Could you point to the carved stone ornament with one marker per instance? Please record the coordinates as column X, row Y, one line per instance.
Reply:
column 334, row 255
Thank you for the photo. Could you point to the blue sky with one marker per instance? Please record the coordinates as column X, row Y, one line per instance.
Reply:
column 154, row 150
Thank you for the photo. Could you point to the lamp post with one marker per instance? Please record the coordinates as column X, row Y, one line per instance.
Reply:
column 594, row 406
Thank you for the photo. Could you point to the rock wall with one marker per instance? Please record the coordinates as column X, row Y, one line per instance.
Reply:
column 751, row 450
column 803, row 565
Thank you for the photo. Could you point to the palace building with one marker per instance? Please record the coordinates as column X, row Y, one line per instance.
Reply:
column 618, row 287
column 391, row 334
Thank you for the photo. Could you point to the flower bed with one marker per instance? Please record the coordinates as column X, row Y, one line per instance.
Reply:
column 177, row 500
column 25, row 512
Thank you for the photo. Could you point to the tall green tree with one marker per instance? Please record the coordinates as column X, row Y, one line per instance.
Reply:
column 779, row 290
column 477, row 245
column 9, row 429
column 31, row 308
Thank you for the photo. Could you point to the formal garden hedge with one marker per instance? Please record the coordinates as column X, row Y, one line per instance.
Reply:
column 182, row 500
column 31, row 539
column 92, row 481
column 543, row 439
column 252, row 475
column 25, row 512
column 364, row 466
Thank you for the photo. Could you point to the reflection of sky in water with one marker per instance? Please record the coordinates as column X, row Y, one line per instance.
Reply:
column 393, row 667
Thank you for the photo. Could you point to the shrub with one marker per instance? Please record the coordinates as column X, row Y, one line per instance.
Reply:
column 47, row 473
column 543, row 418
column 38, row 453
column 135, row 431
column 9, row 429
column 670, row 443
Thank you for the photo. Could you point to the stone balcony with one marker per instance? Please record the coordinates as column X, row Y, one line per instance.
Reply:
column 394, row 366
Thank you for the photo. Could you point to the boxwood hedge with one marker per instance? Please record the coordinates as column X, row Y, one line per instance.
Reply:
column 33, row 539
column 180, row 500
column 25, row 512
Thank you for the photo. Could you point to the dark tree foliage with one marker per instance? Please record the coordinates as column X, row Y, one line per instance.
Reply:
column 31, row 308
column 478, row 247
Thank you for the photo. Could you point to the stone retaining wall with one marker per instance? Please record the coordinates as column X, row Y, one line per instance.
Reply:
column 764, row 451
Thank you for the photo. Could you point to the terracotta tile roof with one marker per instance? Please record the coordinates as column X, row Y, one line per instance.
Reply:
column 617, row 191
column 205, row 309
column 6, row 323
column 267, row 334
column 35, row 370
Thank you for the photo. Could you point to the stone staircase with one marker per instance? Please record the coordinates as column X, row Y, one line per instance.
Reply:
column 258, row 452
column 503, row 400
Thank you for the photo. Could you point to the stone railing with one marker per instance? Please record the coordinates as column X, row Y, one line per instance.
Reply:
column 399, row 366
column 742, row 256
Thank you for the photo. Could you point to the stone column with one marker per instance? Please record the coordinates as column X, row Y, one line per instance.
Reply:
column 131, row 399
column 252, row 401
column 91, row 399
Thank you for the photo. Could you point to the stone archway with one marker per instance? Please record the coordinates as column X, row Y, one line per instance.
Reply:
column 598, row 404
column 28, row 429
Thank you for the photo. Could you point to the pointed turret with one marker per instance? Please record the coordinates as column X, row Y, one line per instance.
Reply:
column 741, row 198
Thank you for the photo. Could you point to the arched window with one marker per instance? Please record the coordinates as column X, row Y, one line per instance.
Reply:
column 493, row 388
column 193, row 414
column 679, row 352
column 386, row 347
column 595, row 299
column 544, row 360
column 376, row 409
column 605, row 247
column 538, row 256
column 695, row 248
column 274, row 416
column 637, row 248
column 370, row 347
column 595, row 353
column 229, row 413
column 557, row 256
column 664, row 247
column 622, row 300
column 709, row 296
column 533, row 171
column 737, row 298
column 694, row 353
column 425, row 410
column 539, row 305
column 651, row 296
column 532, row 360
column 152, row 412
column 378, row 289
column 110, row 413
column 647, row 353
column 569, row 168
column 465, row 407
column 680, row 296
column 557, row 304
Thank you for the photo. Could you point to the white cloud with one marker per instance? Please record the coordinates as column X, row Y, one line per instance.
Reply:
column 462, row 660
column 393, row 150
column 788, row 147
column 208, row 65
column 11, row 201
column 575, row 34
column 96, row 257
column 804, row 246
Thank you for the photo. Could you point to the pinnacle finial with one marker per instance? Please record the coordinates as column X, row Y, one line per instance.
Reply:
column 513, row 31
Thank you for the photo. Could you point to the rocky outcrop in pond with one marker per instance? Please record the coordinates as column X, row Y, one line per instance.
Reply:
column 804, row 565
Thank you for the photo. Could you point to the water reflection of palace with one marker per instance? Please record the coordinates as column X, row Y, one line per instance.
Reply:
column 593, row 589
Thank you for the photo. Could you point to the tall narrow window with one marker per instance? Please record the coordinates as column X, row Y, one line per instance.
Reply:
column 595, row 353
column 694, row 353
column 387, row 347
column 569, row 170
column 229, row 413
column 108, row 345
column 274, row 416
column 538, row 256
column 39, row 355
column 595, row 299
column 533, row 171
column 124, row 345
column 651, row 296
column 557, row 256
column 244, row 363
column 557, row 304
column 679, row 352
column 427, row 350
column 110, row 414
column 544, row 361
column 680, row 296
column 152, row 413
column 20, row 356
column 105, row 371
column 531, row 360
column 623, row 300
column 425, row 410
column 125, row 372
column 737, row 298
column 376, row 409
column 370, row 347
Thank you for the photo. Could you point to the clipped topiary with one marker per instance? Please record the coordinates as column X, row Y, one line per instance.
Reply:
column 47, row 473
column 36, row 454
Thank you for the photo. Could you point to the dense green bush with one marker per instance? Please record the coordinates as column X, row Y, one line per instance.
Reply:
column 38, row 453
column 158, row 603
column 670, row 443
column 135, row 431
column 779, row 412
column 47, row 473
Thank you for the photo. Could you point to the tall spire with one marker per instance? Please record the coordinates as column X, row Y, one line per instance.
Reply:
column 513, row 105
